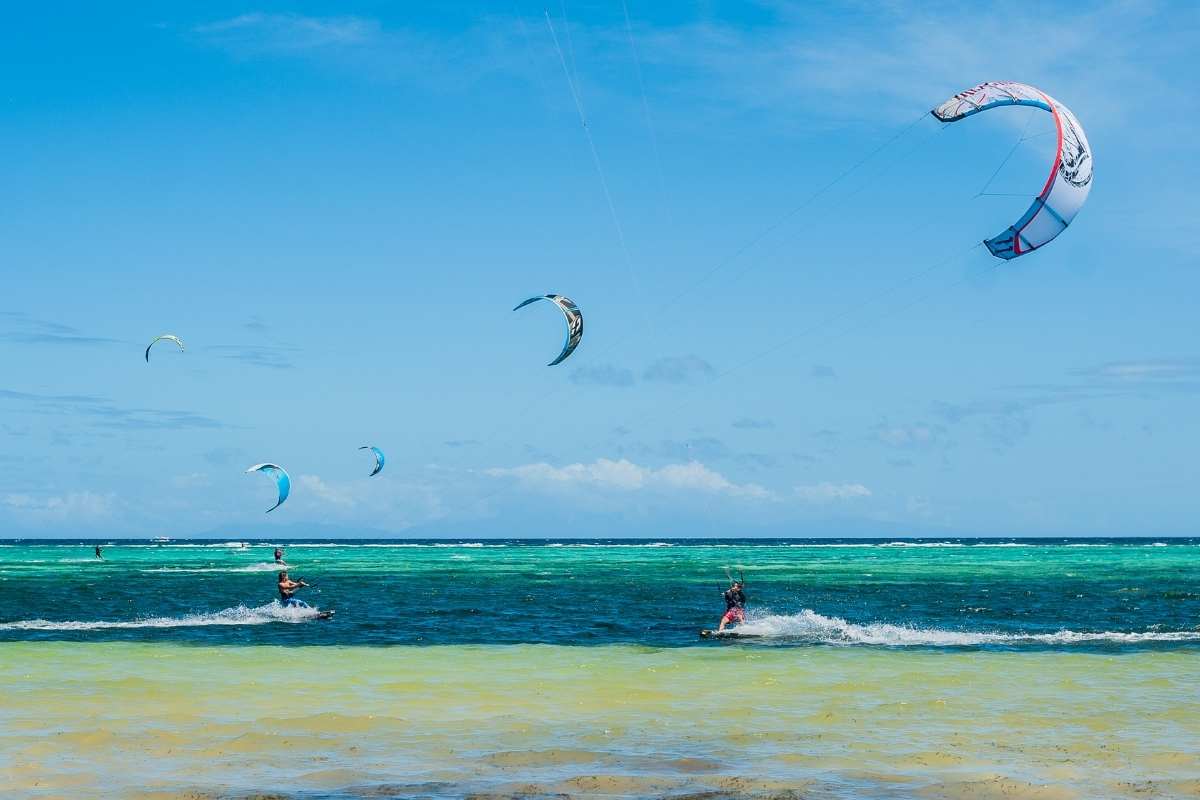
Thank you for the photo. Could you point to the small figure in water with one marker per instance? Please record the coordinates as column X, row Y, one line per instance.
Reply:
column 98, row 554
column 278, row 555
column 287, row 588
column 735, row 606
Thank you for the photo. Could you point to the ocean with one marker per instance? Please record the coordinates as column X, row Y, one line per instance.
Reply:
column 510, row 668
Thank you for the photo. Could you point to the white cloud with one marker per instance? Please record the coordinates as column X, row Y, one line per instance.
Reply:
column 826, row 492
column 624, row 475
column 74, row 506
column 908, row 436
column 337, row 496
column 289, row 31
column 917, row 54
column 379, row 502
column 1146, row 371
column 679, row 369
column 190, row 481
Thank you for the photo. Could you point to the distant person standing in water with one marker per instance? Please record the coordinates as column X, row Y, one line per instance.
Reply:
column 278, row 555
column 98, row 554
column 287, row 588
column 735, row 606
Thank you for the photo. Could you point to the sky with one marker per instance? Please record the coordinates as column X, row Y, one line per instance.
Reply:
column 790, row 326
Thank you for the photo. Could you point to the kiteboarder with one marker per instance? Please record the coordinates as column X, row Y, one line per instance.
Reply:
column 278, row 555
column 287, row 588
column 98, row 554
column 735, row 605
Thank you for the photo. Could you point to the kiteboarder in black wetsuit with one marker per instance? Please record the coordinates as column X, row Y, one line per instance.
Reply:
column 735, row 606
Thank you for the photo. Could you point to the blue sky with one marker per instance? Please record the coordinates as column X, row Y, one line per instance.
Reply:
column 336, row 205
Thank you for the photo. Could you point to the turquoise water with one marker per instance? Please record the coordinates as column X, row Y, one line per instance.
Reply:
column 1074, row 594
column 1053, row 670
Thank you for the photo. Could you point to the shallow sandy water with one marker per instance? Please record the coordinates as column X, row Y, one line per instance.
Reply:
column 165, row 720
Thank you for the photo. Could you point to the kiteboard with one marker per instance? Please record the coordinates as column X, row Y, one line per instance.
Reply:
column 730, row 633
column 324, row 615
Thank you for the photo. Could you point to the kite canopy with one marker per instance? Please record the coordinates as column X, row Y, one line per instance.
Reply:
column 574, row 322
column 169, row 337
column 282, row 481
column 1070, row 175
column 378, row 458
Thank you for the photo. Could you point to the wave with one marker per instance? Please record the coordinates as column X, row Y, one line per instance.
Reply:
column 166, row 545
column 391, row 545
column 641, row 544
column 241, row 615
column 817, row 628
column 265, row 566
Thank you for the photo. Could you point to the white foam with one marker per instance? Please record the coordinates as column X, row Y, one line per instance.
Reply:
column 241, row 615
column 811, row 626
column 265, row 566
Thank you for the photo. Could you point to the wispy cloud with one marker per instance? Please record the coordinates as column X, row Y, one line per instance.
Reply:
column 385, row 502
column 256, row 325
column 192, row 480
column 919, row 51
column 1008, row 416
column 626, row 476
column 822, row 371
column 77, row 507
column 706, row 448
column 222, row 456
column 1005, row 422
column 806, row 60
column 679, row 370
column 21, row 328
column 751, row 424
column 269, row 356
column 826, row 492
column 603, row 375
column 260, row 32
column 914, row 436
column 363, row 49
column 1150, row 372
column 325, row 492
column 105, row 413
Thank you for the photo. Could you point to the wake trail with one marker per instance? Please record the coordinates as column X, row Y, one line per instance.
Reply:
column 239, row 615
column 817, row 628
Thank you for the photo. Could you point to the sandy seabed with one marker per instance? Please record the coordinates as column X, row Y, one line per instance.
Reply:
column 124, row 720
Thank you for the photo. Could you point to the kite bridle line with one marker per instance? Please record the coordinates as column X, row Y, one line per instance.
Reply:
column 1016, row 144
column 583, row 122
column 637, row 65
